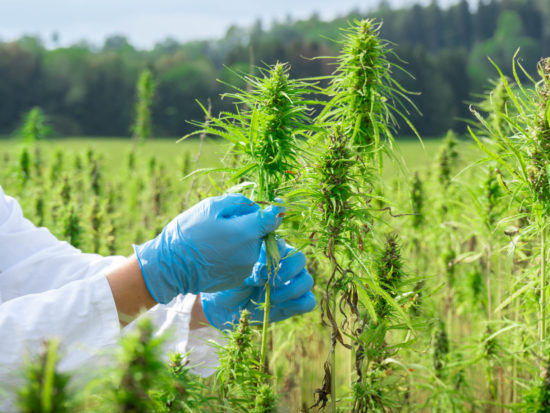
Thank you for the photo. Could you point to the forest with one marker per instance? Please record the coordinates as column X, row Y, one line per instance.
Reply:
column 89, row 90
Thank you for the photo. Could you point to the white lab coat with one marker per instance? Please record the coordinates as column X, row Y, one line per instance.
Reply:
column 50, row 289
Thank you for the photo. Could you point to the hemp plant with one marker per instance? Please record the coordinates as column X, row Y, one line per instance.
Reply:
column 240, row 380
column 35, row 126
column 45, row 389
column 145, row 90
column 72, row 229
column 183, row 391
column 271, row 117
column 140, row 372
column 335, row 204
column 525, row 157
column 366, row 100
column 358, row 124
column 374, row 389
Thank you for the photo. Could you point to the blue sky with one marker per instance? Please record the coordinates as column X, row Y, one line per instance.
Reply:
column 145, row 22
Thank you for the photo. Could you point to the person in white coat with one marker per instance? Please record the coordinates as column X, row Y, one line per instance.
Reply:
column 205, row 267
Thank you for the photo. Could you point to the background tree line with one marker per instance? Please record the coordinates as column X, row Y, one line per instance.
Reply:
column 90, row 90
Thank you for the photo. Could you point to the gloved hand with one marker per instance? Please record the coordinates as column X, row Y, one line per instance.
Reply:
column 290, row 292
column 210, row 247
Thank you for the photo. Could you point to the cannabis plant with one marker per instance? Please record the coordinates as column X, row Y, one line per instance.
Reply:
column 270, row 118
column 358, row 125
column 240, row 380
column 365, row 97
column 35, row 126
column 45, row 389
column 141, row 371
column 525, row 156
column 145, row 90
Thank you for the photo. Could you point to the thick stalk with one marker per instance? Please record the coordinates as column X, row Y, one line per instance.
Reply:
column 499, row 285
column 333, row 359
column 517, row 338
column 265, row 332
column 489, row 292
column 351, row 368
column 515, row 371
column 272, row 261
column 501, row 388
column 269, row 262
column 542, row 332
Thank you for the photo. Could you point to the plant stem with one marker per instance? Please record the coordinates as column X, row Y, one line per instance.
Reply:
column 350, row 365
column 542, row 333
column 499, row 284
column 489, row 295
column 199, row 152
column 265, row 326
column 333, row 360
column 272, row 261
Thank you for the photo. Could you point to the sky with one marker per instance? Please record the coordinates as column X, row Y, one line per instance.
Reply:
column 145, row 22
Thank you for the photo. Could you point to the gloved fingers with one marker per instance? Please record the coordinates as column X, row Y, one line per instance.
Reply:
column 292, row 262
column 258, row 276
column 231, row 205
column 300, row 305
column 220, row 308
column 292, row 289
column 290, row 266
column 270, row 218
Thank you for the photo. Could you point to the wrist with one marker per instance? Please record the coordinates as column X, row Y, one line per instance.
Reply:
column 162, row 270
column 129, row 290
column 198, row 316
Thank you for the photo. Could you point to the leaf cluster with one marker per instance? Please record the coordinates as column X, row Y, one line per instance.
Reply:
column 45, row 389
column 270, row 120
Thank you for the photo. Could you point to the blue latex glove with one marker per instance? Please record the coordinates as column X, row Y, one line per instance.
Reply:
column 290, row 292
column 211, row 247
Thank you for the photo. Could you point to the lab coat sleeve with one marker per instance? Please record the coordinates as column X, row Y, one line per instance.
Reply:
column 48, row 287
column 81, row 314
column 32, row 260
column 172, row 321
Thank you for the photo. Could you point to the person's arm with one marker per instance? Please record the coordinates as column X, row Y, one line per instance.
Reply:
column 33, row 261
column 81, row 314
column 198, row 318
column 132, row 297
column 210, row 247
column 129, row 290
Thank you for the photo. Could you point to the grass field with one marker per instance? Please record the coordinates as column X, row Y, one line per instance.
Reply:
column 416, row 155
column 131, row 194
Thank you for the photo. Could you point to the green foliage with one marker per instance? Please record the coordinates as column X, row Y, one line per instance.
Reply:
column 141, row 371
column 363, row 92
column 389, row 270
column 89, row 90
column 447, row 159
column 270, row 118
column 35, row 126
column 143, row 125
column 72, row 228
column 440, row 349
column 358, row 123
column 25, row 165
column 417, row 201
column 182, row 392
column 240, row 380
column 45, row 389
column 538, row 399
column 479, row 252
